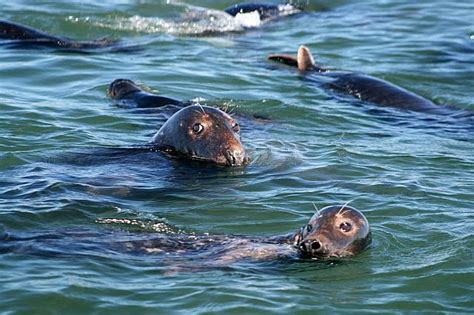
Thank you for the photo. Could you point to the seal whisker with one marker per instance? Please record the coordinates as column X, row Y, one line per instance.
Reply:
column 316, row 208
column 200, row 106
column 344, row 205
column 342, row 214
column 225, row 109
column 229, row 111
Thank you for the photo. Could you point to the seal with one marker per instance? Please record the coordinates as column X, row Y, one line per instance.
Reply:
column 335, row 232
column 126, row 92
column 197, row 132
column 360, row 86
column 21, row 36
column 202, row 133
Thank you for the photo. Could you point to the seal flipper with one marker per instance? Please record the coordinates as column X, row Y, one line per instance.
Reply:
column 305, row 59
column 286, row 59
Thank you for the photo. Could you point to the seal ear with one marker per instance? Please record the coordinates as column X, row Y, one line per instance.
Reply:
column 286, row 59
column 305, row 59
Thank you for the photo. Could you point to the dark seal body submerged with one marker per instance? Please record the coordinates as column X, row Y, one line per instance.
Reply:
column 22, row 36
column 126, row 92
column 363, row 87
column 333, row 232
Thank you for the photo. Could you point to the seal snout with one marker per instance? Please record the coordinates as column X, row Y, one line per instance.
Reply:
column 236, row 156
column 312, row 247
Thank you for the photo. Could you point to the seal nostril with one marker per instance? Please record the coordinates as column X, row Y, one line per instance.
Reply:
column 229, row 155
column 315, row 245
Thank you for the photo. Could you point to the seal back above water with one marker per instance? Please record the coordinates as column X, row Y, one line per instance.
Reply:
column 127, row 92
column 22, row 36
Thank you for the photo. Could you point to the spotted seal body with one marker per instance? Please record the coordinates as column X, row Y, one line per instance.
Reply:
column 333, row 232
column 360, row 86
column 22, row 36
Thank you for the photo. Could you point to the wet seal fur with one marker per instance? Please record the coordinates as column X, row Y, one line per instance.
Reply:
column 196, row 132
column 202, row 133
column 360, row 86
column 333, row 232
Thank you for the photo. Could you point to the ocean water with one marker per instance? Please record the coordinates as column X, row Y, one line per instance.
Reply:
column 410, row 173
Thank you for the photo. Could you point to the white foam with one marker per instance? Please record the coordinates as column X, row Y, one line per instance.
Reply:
column 248, row 20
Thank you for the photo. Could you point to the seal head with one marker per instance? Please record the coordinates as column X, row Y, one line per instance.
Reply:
column 120, row 88
column 335, row 231
column 202, row 133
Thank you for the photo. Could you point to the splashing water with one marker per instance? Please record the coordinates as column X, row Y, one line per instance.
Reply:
column 194, row 21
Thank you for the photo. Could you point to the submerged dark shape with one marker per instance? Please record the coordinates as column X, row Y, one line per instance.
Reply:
column 334, row 232
column 21, row 36
column 364, row 87
column 127, row 92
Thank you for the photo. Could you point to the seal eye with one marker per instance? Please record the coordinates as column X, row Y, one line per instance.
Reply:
column 197, row 128
column 345, row 227
column 236, row 128
column 309, row 228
